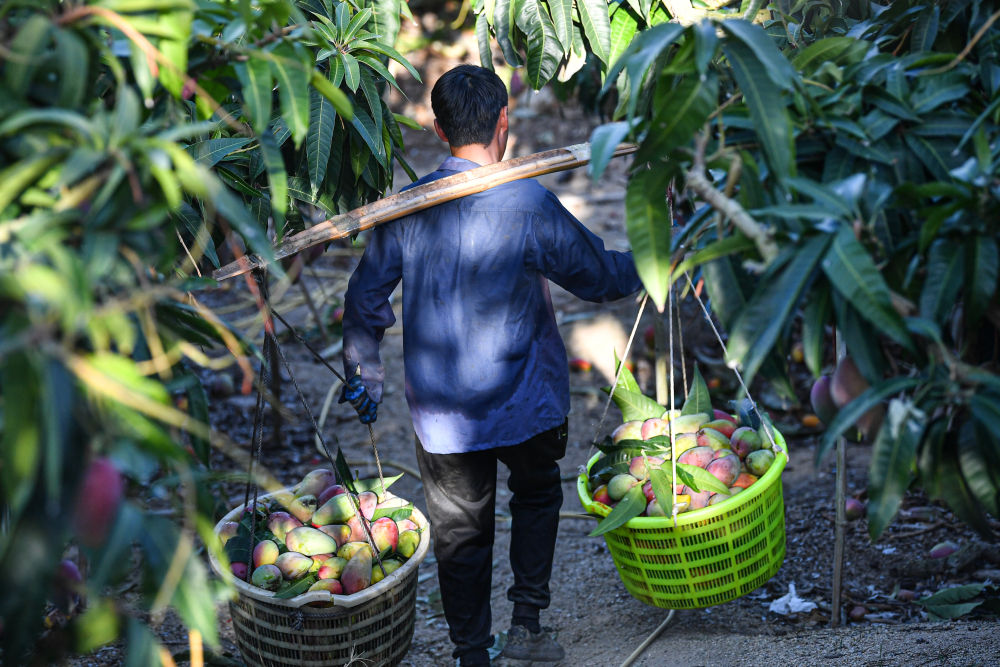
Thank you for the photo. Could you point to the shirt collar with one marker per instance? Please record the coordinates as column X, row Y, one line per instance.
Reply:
column 453, row 163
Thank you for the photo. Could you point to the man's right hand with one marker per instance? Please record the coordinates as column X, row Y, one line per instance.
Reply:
column 355, row 393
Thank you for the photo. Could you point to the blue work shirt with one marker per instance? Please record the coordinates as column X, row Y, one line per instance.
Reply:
column 485, row 365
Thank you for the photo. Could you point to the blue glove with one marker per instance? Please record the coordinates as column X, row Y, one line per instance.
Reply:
column 355, row 393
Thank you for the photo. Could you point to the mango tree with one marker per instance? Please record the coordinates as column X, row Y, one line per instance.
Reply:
column 137, row 137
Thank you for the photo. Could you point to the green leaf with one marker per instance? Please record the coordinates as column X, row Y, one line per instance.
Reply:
column 334, row 95
column 764, row 99
column 276, row 176
column 982, row 272
column 681, row 110
column 928, row 155
column 603, row 142
column 212, row 151
column 952, row 602
column 503, row 12
column 483, row 41
column 808, row 59
column 815, row 316
column 979, row 474
column 352, row 71
column 647, row 221
column 373, row 483
column 706, row 45
column 640, row 55
column 385, row 20
column 925, row 29
column 321, row 126
column 755, row 44
column 255, row 79
column 890, row 470
column 562, row 21
column 945, row 273
column 544, row 52
column 698, row 398
column 737, row 244
column 852, row 272
column 663, row 489
column 628, row 508
column 293, row 92
column 394, row 513
column 700, row 479
column 623, row 28
column 298, row 588
column 770, row 309
column 25, row 52
column 74, row 63
column 636, row 405
column 593, row 16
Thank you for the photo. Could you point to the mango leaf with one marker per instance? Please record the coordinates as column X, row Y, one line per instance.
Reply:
column 623, row 27
column 321, row 125
column 737, row 244
column 503, row 12
column 628, row 508
column 640, row 55
column 635, row 405
column 255, row 79
column 647, row 221
column 925, row 29
column 293, row 91
column 982, row 261
column 343, row 473
column 212, row 151
column 821, row 51
column 373, row 483
column 977, row 470
column 483, row 41
column 543, row 48
column 663, row 489
column 815, row 316
column 143, row 645
column 394, row 513
column 562, row 20
column 852, row 272
column 700, row 479
column 276, row 176
column 25, row 49
column 603, row 142
column 682, row 106
column 74, row 62
column 698, row 398
column 893, row 457
column 945, row 273
column 757, row 42
column 333, row 94
column 297, row 588
column 952, row 602
column 596, row 24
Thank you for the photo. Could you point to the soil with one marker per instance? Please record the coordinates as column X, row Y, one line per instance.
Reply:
column 595, row 618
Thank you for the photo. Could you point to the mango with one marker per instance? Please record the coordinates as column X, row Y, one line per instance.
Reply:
column 697, row 456
column 341, row 533
column 348, row 550
column 670, row 414
column 619, row 485
column 854, row 509
column 726, row 468
column 357, row 574
column 239, row 570
column 684, row 442
column 846, row 385
column 708, row 437
column 97, row 502
column 385, row 534
column 314, row 482
column 699, row 499
column 309, row 541
column 332, row 568
column 717, row 498
column 358, row 533
column 689, row 423
column 653, row 509
column 368, row 502
column 758, row 462
column 600, row 495
column 630, row 430
column 390, row 565
column 228, row 531
column 943, row 549
column 722, row 414
column 293, row 565
column 655, row 426
column 337, row 509
column 266, row 576
column 281, row 500
column 682, row 502
column 318, row 561
column 279, row 523
column 640, row 466
column 821, row 400
column 408, row 542
column 330, row 492
column 723, row 426
column 264, row 553
column 66, row 586
column 744, row 440
column 733, row 490
column 744, row 480
column 331, row 585
column 392, row 503
column 302, row 508
column 406, row 524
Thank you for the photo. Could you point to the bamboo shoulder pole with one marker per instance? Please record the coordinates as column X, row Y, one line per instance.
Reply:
column 421, row 197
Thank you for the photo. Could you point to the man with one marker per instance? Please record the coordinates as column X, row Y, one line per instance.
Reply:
column 486, row 369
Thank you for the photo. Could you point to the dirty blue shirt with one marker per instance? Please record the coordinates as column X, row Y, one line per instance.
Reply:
column 485, row 365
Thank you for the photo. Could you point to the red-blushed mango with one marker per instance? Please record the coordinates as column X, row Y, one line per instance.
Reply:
column 390, row 565
column 821, row 400
column 847, row 383
column 854, row 509
column 733, row 490
column 943, row 549
column 385, row 534
column 314, row 482
column 655, row 426
column 653, row 508
column 630, row 430
column 743, row 480
column 318, row 561
column 332, row 585
column 717, row 498
column 709, row 437
column 341, row 533
column 670, row 414
column 684, row 442
column 723, row 426
column 337, row 509
column 392, row 503
column 689, row 423
column 329, row 492
column 579, row 365
column 758, row 462
column 357, row 574
column 647, row 490
column 265, row 553
column 266, row 576
column 279, row 523
column 66, row 586
column 368, row 502
column 309, row 541
column 601, row 495
column 239, row 570
column 722, row 414
column 358, row 532
column 280, row 501
column 332, row 568
column 406, row 524
column 293, row 565
column 698, row 499
column 744, row 440
column 408, row 542
column 348, row 550
column 725, row 468
column 97, row 502
column 640, row 466
column 303, row 507
column 619, row 485
column 857, row 613
column 697, row 456
column 227, row 531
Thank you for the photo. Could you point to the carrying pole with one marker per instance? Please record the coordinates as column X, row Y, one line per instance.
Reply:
column 421, row 197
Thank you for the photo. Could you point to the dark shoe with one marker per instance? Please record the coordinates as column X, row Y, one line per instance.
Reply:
column 522, row 644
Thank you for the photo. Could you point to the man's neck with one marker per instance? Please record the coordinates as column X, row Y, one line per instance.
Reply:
column 478, row 153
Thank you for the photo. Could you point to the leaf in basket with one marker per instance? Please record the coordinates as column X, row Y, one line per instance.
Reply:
column 629, row 398
column 662, row 489
column 289, row 590
column 700, row 479
column 373, row 484
column 626, row 381
column 749, row 415
column 238, row 548
column 657, row 444
column 610, row 447
column 344, row 472
column 610, row 464
column 394, row 513
column 698, row 398
column 630, row 507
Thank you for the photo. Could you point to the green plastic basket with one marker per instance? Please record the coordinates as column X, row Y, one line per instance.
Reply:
column 713, row 555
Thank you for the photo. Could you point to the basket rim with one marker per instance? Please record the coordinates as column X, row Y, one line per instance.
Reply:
column 344, row 601
column 772, row 475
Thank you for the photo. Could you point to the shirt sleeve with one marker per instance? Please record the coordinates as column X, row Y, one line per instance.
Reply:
column 367, row 311
column 573, row 257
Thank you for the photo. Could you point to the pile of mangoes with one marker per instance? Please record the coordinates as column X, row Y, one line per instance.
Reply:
column 316, row 537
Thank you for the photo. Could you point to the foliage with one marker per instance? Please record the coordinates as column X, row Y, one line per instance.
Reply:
column 136, row 137
column 842, row 168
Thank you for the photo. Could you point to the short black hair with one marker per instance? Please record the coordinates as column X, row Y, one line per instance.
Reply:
column 467, row 101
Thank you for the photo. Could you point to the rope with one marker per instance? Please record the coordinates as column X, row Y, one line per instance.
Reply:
column 670, row 422
column 649, row 640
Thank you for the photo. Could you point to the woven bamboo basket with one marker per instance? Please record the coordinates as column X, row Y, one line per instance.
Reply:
column 712, row 555
column 319, row 629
